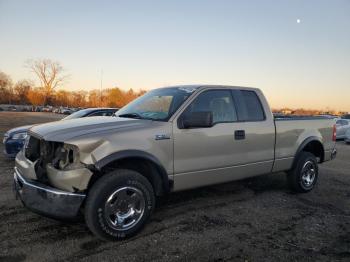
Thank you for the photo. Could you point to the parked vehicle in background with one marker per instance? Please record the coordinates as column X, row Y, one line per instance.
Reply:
column 14, row 138
column 92, row 112
column 11, row 108
column 347, row 137
column 47, row 109
column 342, row 125
column 169, row 139
column 60, row 109
column 66, row 111
column 346, row 116
column 37, row 108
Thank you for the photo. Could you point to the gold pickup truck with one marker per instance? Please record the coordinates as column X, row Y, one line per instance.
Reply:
column 112, row 168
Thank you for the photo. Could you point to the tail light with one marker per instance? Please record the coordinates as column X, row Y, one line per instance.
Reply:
column 334, row 136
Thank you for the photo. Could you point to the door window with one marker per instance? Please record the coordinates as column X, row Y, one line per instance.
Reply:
column 219, row 102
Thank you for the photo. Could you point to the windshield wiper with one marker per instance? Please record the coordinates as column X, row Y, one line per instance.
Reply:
column 134, row 115
column 131, row 115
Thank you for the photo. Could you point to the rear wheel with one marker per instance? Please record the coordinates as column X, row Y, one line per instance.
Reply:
column 303, row 177
column 119, row 204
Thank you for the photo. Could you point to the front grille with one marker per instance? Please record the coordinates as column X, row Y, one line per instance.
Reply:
column 32, row 148
column 42, row 153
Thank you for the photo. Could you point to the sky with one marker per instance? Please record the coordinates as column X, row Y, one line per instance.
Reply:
column 296, row 51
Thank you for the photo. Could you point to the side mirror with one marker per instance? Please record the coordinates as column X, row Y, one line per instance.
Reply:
column 196, row 120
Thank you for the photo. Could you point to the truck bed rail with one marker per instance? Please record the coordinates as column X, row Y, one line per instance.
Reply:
column 299, row 117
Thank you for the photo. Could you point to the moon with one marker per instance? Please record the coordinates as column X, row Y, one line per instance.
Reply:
column 298, row 21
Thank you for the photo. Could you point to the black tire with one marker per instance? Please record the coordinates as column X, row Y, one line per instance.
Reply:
column 97, row 215
column 296, row 176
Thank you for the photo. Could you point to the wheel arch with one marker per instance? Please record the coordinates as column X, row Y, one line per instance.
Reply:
column 145, row 163
column 312, row 145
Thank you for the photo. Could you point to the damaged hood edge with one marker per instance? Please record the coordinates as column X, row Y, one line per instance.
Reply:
column 61, row 131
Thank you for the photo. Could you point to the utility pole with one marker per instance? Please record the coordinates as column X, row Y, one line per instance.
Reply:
column 101, row 88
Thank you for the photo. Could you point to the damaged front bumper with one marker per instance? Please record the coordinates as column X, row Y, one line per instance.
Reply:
column 60, row 195
column 71, row 180
column 47, row 200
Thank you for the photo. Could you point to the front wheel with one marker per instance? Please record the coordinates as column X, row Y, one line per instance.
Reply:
column 119, row 204
column 303, row 177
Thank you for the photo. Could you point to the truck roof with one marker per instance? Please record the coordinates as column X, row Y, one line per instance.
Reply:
column 199, row 86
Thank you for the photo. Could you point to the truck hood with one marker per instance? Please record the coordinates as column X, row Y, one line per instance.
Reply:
column 61, row 131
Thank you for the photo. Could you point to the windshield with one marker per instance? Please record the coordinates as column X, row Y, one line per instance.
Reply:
column 78, row 114
column 158, row 104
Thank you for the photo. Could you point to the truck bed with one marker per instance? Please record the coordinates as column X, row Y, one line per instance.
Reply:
column 292, row 131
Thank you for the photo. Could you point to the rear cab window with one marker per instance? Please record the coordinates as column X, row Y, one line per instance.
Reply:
column 248, row 106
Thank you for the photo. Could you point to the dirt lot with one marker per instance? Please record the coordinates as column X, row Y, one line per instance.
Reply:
column 257, row 219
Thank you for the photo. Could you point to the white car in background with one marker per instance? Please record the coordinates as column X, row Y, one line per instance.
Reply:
column 347, row 137
column 342, row 125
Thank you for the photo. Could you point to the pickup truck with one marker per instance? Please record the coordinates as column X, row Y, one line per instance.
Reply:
column 111, row 169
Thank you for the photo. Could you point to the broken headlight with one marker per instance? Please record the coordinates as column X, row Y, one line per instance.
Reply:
column 65, row 155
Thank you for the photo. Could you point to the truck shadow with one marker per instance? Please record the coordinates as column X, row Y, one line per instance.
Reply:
column 178, row 204
column 240, row 189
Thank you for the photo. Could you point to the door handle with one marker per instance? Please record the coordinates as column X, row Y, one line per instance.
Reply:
column 239, row 134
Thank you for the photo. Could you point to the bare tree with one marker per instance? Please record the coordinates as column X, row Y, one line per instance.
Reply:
column 21, row 89
column 6, row 91
column 50, row 74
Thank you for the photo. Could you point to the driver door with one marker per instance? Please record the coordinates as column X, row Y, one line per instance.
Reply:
column 229, row 150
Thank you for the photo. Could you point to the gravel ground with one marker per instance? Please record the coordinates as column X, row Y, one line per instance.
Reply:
column 256, row 219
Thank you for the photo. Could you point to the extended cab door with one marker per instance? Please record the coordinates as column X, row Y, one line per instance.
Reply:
column 239, row 144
